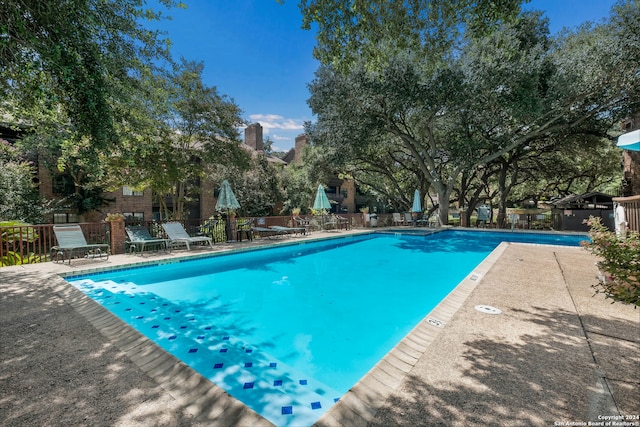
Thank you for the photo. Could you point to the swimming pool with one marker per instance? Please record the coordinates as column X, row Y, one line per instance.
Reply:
column 288, row 330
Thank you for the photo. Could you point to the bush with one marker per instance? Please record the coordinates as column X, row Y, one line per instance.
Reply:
column 620, row 262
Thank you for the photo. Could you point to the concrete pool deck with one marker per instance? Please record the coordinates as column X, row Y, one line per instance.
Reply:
column 556, row 354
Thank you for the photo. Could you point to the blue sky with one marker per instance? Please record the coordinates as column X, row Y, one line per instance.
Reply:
column 255, row 52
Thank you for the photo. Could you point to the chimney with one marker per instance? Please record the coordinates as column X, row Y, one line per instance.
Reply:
column 253, row 136
column 301, row 141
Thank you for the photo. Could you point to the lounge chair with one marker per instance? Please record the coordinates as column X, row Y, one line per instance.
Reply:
column 270, row 232
column 178, row 235
column 398, row 219
column 408, row 218
column 288, row 230
column 71, row 243
column 139, row 238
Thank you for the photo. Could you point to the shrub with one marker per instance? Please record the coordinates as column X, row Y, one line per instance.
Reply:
column 619, row 264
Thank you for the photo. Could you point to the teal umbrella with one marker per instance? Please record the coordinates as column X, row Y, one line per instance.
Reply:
column 321, row 202
column 417, row 205
column 226, row 199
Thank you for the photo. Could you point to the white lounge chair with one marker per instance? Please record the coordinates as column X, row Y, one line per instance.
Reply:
column 71, row 243
column 178, row 235
column 398, row 219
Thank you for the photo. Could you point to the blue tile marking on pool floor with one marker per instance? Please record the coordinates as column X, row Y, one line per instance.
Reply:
column 269, row 386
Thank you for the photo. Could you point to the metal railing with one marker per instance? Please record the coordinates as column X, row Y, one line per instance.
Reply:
column 28, row 244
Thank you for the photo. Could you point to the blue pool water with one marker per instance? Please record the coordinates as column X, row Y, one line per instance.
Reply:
column 288, row 330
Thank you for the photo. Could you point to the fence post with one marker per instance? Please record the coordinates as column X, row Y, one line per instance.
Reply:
column 117, row 235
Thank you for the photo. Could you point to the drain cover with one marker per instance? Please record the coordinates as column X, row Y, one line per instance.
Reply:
column 435, row 322
column 488, row 309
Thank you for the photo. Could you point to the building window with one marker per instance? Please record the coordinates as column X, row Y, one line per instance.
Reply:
column 133, row 216
column 62, row 184
column 128, row 191
column 64, row 218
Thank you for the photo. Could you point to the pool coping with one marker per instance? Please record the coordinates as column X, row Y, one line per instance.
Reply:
column 202, row 398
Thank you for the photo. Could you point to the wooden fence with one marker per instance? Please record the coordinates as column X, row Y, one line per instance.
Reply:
column 632, row 211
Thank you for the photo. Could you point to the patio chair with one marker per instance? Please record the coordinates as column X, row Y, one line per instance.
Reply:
column 243, row 227
column 139, row 238
column 304, row 223
column 398, row 219
column 329, row 222
column 408, row 218
column 433, row 221
column 343, row 222
column 179, row 236
column 71, row 243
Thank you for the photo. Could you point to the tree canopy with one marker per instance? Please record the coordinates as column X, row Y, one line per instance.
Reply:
column 103, row 100
column 489, row 98
column 82, row 56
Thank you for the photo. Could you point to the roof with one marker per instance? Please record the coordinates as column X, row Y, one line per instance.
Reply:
column 580, row 200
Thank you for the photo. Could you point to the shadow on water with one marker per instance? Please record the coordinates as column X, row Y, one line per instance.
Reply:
column 480, row 242
column 536, row 381
column 433, row 243
column 212, row 337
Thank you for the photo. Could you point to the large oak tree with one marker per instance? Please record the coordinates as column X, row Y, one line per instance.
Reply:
column 455, row 102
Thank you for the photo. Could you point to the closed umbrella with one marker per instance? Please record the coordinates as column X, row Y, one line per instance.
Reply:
column 417, row 207
column 226, row 199
column 321, row 202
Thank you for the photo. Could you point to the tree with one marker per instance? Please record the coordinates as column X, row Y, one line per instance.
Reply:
column 487, row 97
column 373, row 31
column 75, row 73
column 258, row 188
column 81, row 56
column 187, row 134
column 19, row 198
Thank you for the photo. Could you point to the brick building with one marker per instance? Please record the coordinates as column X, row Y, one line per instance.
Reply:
column 141, row 205
column 340, row 192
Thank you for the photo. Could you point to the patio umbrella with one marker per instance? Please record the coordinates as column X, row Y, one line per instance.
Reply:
column 226, row 199
column 417, row 205
column 321, row 202
column 630, row 141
